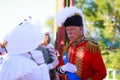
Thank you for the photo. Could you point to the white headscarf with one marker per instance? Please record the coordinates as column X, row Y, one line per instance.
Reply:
column 25, row 37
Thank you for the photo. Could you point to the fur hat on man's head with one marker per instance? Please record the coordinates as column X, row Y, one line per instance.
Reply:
column 68, row 13
column 75, row 20
column 70, row 16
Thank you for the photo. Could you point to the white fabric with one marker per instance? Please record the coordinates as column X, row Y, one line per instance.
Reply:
column 68, row 12
column 53, row 54
column 50, row 66
column 1, row 60
column 38, row 56
column 39, row 59
column 45, row 72
column 2, row 57
column 16, row 66
column 23, row 38
column 49, row 46
column 51, row 49
column 69, row 67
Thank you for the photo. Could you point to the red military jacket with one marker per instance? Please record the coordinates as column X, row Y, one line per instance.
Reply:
column 87, row 58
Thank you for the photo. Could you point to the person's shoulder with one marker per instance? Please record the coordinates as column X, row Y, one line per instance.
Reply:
column 93, row 43
column 50, row 45
column 92, row 46
column 43, row 49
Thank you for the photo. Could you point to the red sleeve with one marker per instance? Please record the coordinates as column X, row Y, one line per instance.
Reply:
column 99, row 67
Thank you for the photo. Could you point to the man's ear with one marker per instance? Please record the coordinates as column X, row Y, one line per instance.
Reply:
column 81, row 29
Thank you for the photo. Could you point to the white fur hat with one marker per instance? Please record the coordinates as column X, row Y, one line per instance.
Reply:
column 66, row 13
column 25, row 37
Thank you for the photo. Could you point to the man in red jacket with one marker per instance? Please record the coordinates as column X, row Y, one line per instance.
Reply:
column 81, row 56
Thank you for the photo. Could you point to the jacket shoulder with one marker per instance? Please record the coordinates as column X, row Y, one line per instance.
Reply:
column 93, row 47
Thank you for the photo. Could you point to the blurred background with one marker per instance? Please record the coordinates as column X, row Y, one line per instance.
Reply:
column 102, row 21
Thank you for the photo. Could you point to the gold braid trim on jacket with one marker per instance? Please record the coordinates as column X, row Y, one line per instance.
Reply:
column 65, row 49
column 92, row 47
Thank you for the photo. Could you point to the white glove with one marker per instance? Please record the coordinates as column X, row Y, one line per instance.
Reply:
column 50, row 66
column 52, row 50
column 37, row 56
column 69, row 67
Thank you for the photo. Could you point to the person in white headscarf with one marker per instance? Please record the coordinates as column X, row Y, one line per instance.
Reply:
column 23, row 61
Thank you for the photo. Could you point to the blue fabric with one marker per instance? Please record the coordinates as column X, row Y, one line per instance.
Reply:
column 71, row 76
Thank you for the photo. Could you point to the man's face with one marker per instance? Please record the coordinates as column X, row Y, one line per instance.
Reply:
column 74, row 32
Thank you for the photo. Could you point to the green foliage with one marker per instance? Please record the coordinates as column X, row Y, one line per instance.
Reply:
column 50, row 24
column 105, row 16
column 99, row 23
column 90, row 9
column 112, row 59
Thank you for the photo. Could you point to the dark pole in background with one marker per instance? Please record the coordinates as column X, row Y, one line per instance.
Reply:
column 61, row 38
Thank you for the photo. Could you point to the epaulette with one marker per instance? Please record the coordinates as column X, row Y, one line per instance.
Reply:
column 93, row 47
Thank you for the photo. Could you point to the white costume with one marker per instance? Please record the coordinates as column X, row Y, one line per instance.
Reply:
column 19, row 64
column 53, row 54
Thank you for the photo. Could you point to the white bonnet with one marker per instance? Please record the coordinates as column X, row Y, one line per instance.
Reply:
column 25, row 37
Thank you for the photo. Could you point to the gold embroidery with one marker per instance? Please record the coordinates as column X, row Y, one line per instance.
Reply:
column 93, row 48
column 79, row 60
column 71, row 51
column 65, row 49
column 79, row 41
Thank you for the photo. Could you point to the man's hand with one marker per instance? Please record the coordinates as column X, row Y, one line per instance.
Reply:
column 69, row 67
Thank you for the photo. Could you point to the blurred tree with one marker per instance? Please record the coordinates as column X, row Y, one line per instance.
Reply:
column 50, row 24
column 102, row 16
column 112, row 60
column 102, row 19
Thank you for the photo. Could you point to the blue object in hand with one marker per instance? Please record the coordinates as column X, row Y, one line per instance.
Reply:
column 72, row 76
